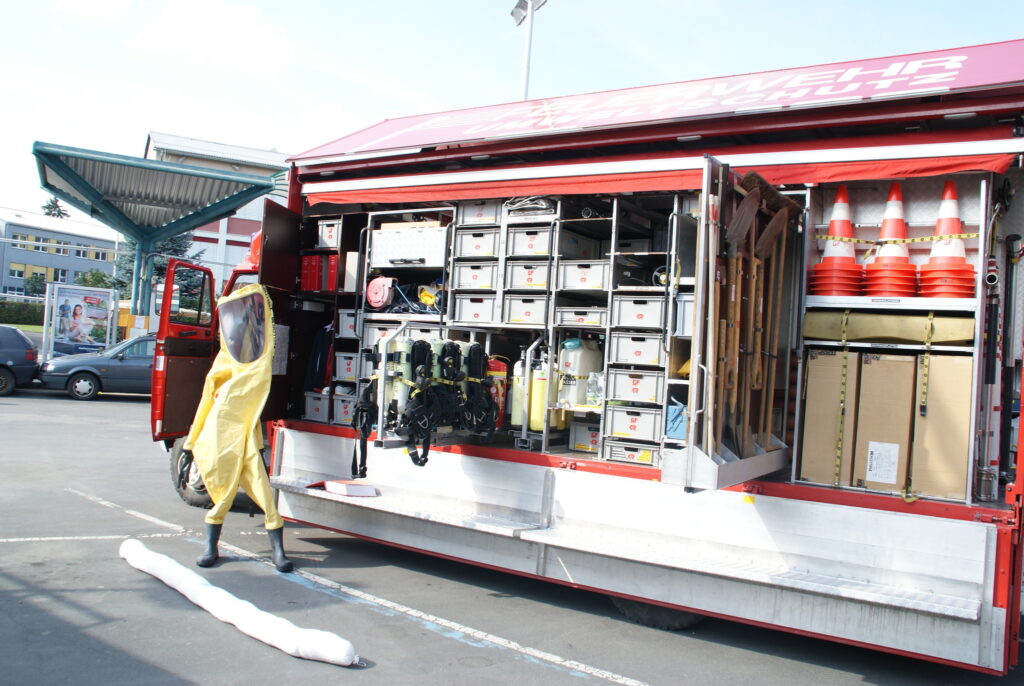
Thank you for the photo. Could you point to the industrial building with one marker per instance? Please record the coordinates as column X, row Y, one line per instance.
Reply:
column 225, row 242
column 58, row 248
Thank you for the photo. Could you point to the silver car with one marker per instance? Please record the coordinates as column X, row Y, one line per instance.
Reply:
column 122, row 368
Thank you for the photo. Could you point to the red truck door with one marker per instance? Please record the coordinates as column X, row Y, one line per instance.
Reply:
column 185, row 347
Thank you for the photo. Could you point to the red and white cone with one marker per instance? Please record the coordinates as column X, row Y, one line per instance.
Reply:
column 948, row 274
column 838, row 272
column 891, row 274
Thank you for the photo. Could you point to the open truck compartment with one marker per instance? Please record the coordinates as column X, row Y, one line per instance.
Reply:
column 631, row 355
column 706, row 363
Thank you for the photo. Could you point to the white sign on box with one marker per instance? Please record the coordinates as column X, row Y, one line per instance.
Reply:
column 883, row 462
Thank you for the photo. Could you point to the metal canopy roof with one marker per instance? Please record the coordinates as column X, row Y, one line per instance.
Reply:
column 147, row 200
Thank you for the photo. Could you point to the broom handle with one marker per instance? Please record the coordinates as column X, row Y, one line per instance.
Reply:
column 772, row 359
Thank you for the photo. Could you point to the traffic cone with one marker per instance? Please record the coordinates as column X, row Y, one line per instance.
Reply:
column 948, row 274
column 838, row 272
column 891, row 274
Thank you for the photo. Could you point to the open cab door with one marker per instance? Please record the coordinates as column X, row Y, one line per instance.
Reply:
column 185, row 346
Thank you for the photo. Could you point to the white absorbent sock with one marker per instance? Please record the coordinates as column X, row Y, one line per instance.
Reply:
column 310, row 644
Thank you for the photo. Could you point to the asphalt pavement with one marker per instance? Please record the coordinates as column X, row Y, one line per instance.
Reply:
column 80, row 477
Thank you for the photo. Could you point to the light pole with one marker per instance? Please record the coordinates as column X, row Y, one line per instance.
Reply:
column 523, row 11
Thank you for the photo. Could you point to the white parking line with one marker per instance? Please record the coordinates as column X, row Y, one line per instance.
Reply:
column 133, row 513
column 477, row 634
column 114, row 537
column 324, row 583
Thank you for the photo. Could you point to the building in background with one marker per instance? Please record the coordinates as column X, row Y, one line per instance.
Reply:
column 59, row 249
column 227, row 241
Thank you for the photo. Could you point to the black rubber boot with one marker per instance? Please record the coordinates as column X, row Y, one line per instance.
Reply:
column 212, row 538
column 282, row 563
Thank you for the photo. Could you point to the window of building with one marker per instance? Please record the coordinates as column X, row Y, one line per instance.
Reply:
column 14, row 290
column 101, row 255
column 16, row 271
column 81, row 251
column 40, row 244
column 62, row 248
column 20, row 237
column 60, row 275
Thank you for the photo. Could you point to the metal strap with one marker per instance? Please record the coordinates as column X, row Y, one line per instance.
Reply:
column 841, row 418
column 925, row 363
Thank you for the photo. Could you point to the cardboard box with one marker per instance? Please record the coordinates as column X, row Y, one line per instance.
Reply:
column 891, row 328
column 938, row 461
column 822, row 414
column 885, row 417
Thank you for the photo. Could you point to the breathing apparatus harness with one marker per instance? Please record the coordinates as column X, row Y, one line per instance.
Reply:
column 416, row 422
column 363, row 417
column 480, row 413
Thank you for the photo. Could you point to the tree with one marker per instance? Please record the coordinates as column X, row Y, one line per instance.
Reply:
column 35, row 285
column 53, row 208
column 177, row 246
column 94, row 278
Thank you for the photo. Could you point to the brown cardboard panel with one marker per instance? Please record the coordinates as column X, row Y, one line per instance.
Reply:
column 885, row 407
column 942, row 436
column 891, row 328
column 822, row 414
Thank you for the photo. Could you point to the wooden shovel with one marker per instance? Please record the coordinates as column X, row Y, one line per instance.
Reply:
column 778, row 277
column 741, row 419
column 764, row 250
column 735, row 235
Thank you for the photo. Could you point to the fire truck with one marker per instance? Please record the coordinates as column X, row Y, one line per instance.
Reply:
column 744, row 347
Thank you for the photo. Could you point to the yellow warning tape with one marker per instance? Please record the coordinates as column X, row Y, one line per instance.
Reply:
column 883, row 241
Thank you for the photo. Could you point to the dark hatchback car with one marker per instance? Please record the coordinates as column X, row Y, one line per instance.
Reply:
column 122, row 368
column 19, row 359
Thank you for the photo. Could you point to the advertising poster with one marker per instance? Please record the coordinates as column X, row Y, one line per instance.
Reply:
column 78, row 321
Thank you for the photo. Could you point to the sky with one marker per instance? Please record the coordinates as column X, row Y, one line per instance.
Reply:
column 291, row 76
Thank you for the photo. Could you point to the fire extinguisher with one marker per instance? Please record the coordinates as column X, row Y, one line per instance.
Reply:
column 497, row 370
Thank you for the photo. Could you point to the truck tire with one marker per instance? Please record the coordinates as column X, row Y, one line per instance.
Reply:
column 192, row 491
column 656, row 616
column 7, row 381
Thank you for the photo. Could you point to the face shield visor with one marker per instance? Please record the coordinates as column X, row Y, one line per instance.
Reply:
column 243, row 327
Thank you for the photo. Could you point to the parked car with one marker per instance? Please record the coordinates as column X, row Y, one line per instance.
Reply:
column 122, row 368
column 19, row 359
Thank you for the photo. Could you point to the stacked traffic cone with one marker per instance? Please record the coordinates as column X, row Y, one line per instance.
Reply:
column 891, row 274
column 838, row 272
column 948, row 274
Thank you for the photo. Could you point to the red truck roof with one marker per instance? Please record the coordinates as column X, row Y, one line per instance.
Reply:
column 981, row 67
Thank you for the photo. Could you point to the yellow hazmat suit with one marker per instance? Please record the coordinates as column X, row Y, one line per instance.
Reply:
column 225, row 438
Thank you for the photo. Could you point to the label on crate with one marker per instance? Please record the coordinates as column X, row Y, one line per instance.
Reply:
column 883, row 462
